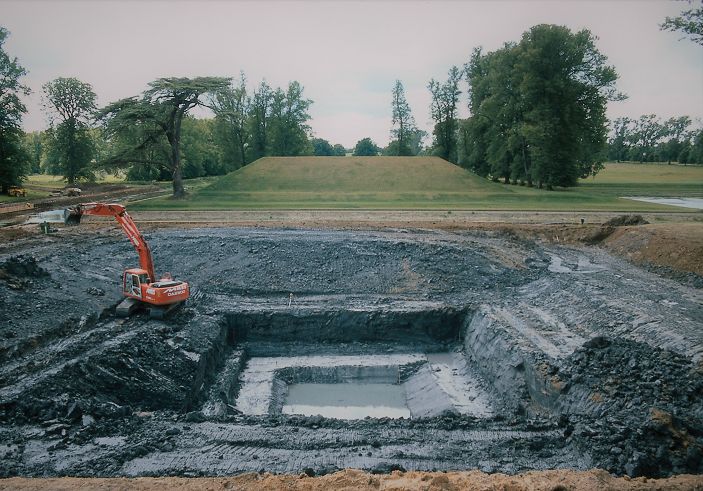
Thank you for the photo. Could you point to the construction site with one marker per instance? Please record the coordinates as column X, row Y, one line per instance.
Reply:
column 375, row 341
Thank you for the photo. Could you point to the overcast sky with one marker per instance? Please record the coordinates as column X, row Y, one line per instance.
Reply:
column 347, row 55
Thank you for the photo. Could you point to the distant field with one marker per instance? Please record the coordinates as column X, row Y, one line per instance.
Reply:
column 423, row 183
column 646, row 180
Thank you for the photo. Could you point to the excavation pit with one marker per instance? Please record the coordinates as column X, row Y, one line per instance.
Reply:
column 413, row 385
column 581, row 359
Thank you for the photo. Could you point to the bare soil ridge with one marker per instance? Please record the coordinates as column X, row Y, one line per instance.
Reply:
column 361, row 481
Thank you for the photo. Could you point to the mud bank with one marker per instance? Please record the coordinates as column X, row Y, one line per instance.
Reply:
column 510, row 356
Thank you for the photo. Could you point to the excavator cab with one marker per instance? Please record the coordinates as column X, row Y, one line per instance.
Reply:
column 133, row 281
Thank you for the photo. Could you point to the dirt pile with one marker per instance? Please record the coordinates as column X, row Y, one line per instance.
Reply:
column 18, row 271
column 666, row 248
column 626, row 220
column 646, row 407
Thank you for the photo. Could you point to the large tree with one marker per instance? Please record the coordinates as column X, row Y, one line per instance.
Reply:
column 402, row 120
column 231, row 106
column 259, row 113
column 159, row 114
column 538, row 108
column 70, row 105
column 445, row 97
column 13, row 166
column 288, row 126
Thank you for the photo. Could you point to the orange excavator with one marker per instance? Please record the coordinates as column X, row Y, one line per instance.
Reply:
column 139, row 285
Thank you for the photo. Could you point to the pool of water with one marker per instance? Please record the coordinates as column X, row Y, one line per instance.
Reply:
column 52, row 216
column 696, row 203
column 347, row 401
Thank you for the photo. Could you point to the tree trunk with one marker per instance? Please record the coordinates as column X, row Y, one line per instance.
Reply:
column 178, row 190
column 242, row 150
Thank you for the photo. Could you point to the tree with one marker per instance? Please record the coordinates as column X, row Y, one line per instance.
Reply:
column 260, row 109
column 412, row 146
column 675, row 132
column 339, row 150
column 72, row 103
column 201, row 156
column 695, row 154
column 231, row 106
column 690, row 23
column 619, row 144
column 365, row 148
column 644, row 137
column 321, row 147
column 288, row 122
column 13, row 168
column 445, row 97
column 158, row 115
column 538, row 108
column 33, row 148
column 403, row 122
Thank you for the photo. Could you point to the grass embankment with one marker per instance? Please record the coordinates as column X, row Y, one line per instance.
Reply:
column 424, row 183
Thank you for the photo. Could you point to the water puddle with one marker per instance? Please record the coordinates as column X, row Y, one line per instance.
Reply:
column 51, row 216
column 696, row 203
column 347, row 401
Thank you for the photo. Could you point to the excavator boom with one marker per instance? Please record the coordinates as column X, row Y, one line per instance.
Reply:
column 130, row 228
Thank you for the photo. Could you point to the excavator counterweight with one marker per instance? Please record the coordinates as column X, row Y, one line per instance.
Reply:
column 139, row 285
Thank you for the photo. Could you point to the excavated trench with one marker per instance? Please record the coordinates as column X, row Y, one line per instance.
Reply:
column 315, row 351
column 353, row 364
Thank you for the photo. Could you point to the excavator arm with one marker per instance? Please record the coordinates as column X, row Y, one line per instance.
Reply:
column 73, row 216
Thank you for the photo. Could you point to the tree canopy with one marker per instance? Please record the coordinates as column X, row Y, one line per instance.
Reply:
column 445, row 97
column 156, row 115
column 689, row 22
column 321, row 147
column 365, row 148
column 649, row 139
column 72, row 103
column 402, row 120
column 538, row 108
column 13, row 159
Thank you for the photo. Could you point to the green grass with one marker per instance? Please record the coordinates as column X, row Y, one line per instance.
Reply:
column 423, row 183
column 39, row 186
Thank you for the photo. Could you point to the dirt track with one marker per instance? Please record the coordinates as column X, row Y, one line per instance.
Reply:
column 358, row 480
column 589, row 360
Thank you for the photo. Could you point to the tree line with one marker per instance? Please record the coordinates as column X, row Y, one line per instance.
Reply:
column 537, row 117
column 649, row 139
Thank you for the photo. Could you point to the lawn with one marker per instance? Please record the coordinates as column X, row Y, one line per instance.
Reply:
column 423, row 183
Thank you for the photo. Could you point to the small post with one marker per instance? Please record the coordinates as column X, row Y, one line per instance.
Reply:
column 290, row 299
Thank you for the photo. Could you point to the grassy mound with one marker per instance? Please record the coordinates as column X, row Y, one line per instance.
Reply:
column 417, row 183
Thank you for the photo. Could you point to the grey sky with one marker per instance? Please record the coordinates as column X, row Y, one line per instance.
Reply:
column 346, row 54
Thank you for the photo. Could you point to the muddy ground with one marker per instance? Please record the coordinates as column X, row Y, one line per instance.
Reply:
column 588, row 360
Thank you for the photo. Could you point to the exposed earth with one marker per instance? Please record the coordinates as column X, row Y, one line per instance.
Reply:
column 521, row 347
